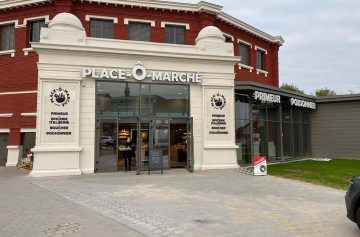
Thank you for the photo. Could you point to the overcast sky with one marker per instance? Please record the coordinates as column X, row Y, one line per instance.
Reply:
column 322, row 39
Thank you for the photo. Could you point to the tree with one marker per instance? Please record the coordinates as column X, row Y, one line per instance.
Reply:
column 291, row 87
column 324, row 92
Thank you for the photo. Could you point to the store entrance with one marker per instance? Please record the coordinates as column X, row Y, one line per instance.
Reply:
column 124, row 143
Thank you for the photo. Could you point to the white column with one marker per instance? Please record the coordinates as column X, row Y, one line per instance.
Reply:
column 14, row 154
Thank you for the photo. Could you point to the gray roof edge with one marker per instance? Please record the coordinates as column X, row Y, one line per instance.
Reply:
column 272, row 89
column 338, row 98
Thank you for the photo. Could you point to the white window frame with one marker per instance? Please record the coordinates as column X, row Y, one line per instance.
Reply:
column 259, row 71
column 261, row 49
column 89, row 17
column 230, row 36
column 26, row 20
column 244, row 42
column 4, row 130
column 165, row 23
column 25, row 130
column 11, row 51
column 129, row 20
column 241, row 66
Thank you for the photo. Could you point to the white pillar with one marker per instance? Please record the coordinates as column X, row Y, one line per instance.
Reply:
column 14, row 154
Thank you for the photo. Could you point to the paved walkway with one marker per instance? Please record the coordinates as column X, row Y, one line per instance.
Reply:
column 28, row 210
column 178, row 203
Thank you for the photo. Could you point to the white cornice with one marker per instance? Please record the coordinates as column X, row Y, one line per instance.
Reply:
column 201, row 6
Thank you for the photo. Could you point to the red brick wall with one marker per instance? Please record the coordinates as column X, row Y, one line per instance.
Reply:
column 19, row 73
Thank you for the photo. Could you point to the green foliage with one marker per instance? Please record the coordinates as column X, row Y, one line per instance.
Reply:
column 324, row 92
column 335, row 173
column 291, row 87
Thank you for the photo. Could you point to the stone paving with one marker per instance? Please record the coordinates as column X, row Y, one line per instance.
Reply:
column 28, row 210
column 178, row 203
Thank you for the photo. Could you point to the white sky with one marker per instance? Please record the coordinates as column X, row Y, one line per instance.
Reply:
column 322, row 39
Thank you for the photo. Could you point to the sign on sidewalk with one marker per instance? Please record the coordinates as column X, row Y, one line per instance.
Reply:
column 260, row 167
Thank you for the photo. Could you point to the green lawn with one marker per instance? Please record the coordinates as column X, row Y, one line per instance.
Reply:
column 335, row 173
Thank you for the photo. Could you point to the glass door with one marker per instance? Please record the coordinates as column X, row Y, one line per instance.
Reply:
column 106, row 160
column 128, row 144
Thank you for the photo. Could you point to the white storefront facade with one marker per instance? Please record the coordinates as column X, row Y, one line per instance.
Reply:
column 96, row 96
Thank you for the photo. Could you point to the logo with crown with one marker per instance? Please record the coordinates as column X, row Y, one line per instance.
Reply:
column 60, row 97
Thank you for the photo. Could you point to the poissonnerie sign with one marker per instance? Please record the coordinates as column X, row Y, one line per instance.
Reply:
column 140, row 73
column 302, row 103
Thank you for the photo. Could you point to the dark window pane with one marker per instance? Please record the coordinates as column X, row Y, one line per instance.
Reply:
column 244, row 53
column 273, row 112
column 7, row 37
column 35, row 27
column 259, row 111
column 306, row 139
column 288, row 144
column 243, row 140
column 175, row 34
column 139, row 31
column 101, row 28
column 260, row 60
column 298, row 141
column 274, row 138
column 242, row 106
column 260, row 137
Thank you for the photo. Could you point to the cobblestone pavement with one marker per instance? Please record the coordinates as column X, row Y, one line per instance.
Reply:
column 28, row 210
column 178, row 203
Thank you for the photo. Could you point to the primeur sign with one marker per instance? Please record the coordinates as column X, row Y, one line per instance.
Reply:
column 139, row 73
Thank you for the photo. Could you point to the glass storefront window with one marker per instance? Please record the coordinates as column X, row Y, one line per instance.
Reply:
column 273, row 112
column 287, row 140
column 243, row 140
column 169, row 100
column 274, row 141
column 136, row 99
column 260, row 137
column 242, row 106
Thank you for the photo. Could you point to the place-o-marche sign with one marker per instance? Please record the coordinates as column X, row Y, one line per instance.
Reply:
column 140, row 73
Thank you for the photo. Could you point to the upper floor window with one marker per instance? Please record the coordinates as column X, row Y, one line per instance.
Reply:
column 34, row 30
column 244, row 50
column 260, row 59
column 100, row 28
column 175, row 34
column 7, row 37
column 139, row 31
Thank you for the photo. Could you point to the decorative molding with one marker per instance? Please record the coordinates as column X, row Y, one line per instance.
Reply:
column 250, row 68
column 11, row 52
column 259, row 71
column 260, row 49
column 25, row 130
column 27, row 50
column 18, row 92
column 28, row 114
column 8, row 115
column 114, row 19
column 164, row 23
column 4, row 130
column 127, row 20
column 244, row 42
column 230, row 36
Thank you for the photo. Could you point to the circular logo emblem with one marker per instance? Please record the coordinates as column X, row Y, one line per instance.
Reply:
column 139, row 72
column 60, row 97
column 218, row 101
column 263, row 168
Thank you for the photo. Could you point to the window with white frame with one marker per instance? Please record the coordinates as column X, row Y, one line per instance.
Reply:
column 7, row 37
column 244, row 51
column 34, row 29
column 102, row 28
column 175, row 34
column 260, row 59
column 139, row 31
